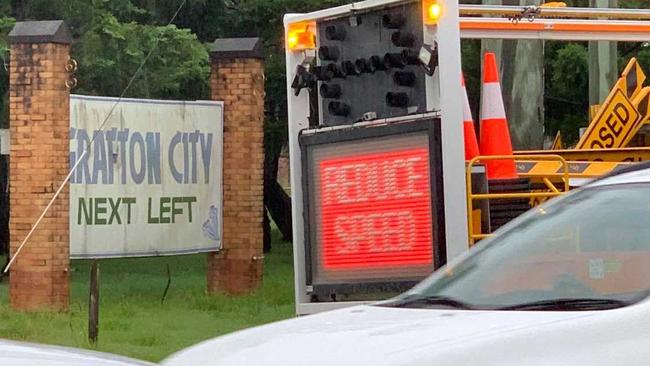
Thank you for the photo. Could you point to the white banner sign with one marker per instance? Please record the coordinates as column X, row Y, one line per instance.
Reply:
column 151, row 180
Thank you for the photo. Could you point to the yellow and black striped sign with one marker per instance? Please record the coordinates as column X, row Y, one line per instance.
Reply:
column 629, row 154
column 617, row 119
column 634, row 78
column 642, row 104
column 577, row 169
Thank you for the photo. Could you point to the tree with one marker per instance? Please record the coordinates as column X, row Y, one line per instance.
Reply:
column 110, row 52
column 567, row 97
column 111, row 39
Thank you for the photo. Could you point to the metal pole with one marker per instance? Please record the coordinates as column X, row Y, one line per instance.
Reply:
column 93, row 303
column 453, row 156
column 298, row 116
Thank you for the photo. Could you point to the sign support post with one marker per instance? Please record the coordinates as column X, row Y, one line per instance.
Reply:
column 39, row 122
column 453, row 156
column 238, row 80
column 93, row 303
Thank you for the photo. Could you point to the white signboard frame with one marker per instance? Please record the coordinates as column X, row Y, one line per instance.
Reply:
column 151, row 183
column 4, row 142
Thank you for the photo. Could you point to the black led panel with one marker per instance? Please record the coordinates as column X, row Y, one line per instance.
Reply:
column 374, row 217
column 368, row 63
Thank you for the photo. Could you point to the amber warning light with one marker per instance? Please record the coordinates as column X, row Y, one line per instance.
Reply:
column 431, row 11
column 301, row 36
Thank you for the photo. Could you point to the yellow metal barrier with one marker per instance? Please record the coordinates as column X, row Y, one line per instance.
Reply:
column 554, row 191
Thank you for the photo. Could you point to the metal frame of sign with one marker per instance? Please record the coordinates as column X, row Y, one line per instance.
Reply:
column 311, row 138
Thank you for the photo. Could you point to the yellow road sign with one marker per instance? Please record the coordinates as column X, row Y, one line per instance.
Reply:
column 613, row 124
column 634, row 77
column 642, row 104
column 616, row 117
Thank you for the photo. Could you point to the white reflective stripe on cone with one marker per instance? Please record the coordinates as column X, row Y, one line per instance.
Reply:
column 492, row 102
column 467, row 112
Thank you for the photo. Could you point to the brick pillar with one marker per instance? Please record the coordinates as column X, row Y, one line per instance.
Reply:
column 237, row 79
column 39, row 123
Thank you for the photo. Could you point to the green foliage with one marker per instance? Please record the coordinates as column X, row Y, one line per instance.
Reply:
column 210, row 19
column 567, row 89
column 566, row 85
column 634, row 4
column 264, row 18
column 80, row 14
column 6, row 23
column 133, row 322
column 642, row 56
column 110, row 53
column 112, row 38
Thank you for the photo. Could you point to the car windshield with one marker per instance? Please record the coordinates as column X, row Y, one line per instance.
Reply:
column 589, row 250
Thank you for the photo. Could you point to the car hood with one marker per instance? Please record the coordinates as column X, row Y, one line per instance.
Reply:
column 374, row 335
column 28, row 354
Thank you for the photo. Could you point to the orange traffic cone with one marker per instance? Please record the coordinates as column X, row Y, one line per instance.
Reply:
column 471, row 143
column 495, row 136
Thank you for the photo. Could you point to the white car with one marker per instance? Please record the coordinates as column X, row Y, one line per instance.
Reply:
column 565, row 284
column 29, row 354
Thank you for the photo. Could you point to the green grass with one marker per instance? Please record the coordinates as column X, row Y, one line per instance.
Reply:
column 133, row 322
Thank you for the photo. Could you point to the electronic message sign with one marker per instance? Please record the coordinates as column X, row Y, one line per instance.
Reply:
column 374, row 211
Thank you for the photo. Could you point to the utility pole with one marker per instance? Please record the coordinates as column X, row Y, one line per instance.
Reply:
column 603, row 66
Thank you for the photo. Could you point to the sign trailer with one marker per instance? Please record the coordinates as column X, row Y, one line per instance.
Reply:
column 363, row 221
column 379, row 62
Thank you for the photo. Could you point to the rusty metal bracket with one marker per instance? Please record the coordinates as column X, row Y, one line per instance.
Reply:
column 71, row 67
column 71, row 83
